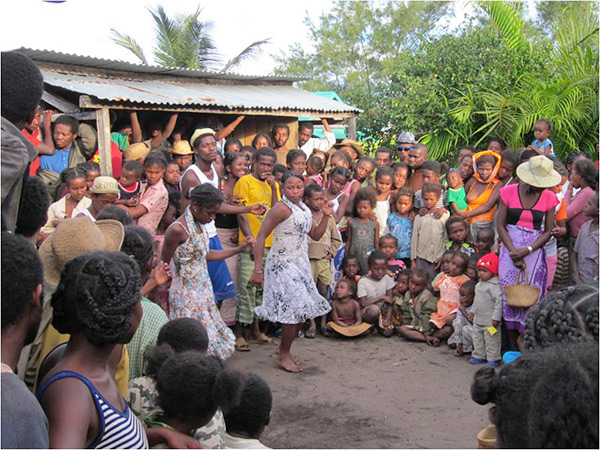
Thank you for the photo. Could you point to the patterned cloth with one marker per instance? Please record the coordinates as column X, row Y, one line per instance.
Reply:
column 249, row 296
column 191, row 292
column 401, row 228
column 143, row 401
column 362, row 242
column 449, row 288
column 290, row 295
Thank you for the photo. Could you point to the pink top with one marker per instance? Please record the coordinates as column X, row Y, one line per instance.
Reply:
column 318, row 179
column 527, row 218
column 348, row 187
column 575, row 207
column 155, row 199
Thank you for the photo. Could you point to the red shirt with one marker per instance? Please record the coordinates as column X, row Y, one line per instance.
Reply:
column 116, row 157
column 33, row 138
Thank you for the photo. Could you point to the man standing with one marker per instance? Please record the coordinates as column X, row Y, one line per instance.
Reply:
column 403, row 144
column 281, row 134
column 308, row 143
column 416, row 157
column 24, row 424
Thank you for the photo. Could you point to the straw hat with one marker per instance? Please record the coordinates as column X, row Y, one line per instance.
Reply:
column 136, row 151
column 75, row 237
column 201, row 132
column 352, row 330
column 181, row 148
column 539, row 172
column 351, row 143
column 105, row 185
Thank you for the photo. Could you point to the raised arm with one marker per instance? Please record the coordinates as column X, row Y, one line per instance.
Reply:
column 226, row 131
column 136, row 130
column 46, row 147
column 170, row 126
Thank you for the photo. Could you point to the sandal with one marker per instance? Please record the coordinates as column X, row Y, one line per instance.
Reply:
column 241, row 345
column 310, row 333
column 263, row 339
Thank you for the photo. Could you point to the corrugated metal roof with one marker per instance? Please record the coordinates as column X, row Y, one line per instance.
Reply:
column 108, row 64
column 167, row 92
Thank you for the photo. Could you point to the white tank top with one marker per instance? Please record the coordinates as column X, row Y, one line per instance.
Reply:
column 211, row 228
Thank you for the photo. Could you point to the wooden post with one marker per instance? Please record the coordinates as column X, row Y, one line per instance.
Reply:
column 103, row 126
column 352, row 127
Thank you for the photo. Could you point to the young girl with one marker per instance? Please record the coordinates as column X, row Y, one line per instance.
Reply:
column 296, row 160
column 448, row 286
column 172, row 176
column 290, row 295
column 314, row 171
column 363, row 231
column 105, row 192
column 75, row 180
column 384, row 182
column 400, row 225
column 341, row 159
column 457, row 199
column 97, row 302
column 92, row 171
column 338, row 179
column 389, row 245
column 400, row 175
column 187, row 243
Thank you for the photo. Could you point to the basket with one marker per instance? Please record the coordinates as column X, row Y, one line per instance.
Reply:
column 486, row 438
column 522, row 295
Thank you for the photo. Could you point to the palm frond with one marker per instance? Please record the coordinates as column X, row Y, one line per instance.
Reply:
column 130, row 44
column 167, row 36
column 250, row 52
column 506, row 16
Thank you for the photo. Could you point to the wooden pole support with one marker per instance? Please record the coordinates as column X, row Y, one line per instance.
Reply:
column 103, row 126
column 352, row 127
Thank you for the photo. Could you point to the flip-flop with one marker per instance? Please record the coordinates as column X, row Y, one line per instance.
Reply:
column 263, row 339
column 241, row 345
column 310, row 333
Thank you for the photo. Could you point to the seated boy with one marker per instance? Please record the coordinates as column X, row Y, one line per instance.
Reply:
column 421, row 304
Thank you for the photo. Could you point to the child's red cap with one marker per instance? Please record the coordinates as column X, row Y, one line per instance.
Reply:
column 489, row 262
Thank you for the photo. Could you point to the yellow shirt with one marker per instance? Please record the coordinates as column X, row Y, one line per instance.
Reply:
column 254, row 191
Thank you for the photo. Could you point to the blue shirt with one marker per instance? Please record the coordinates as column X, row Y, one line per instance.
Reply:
column 401, row 229
column 57, row 162
column 542, row 145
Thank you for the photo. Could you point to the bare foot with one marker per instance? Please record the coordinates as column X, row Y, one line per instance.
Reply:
column 435, row 342
column 288, row 365
column 296, row 360
column 458, row 351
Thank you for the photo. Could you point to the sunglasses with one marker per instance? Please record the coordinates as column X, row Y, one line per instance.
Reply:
column 403, row 149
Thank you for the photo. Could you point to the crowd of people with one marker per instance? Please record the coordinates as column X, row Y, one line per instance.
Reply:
column 198, row 246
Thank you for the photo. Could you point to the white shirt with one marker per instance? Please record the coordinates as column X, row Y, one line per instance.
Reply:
column 236, row 442
column 211, row 228
column 324, row 143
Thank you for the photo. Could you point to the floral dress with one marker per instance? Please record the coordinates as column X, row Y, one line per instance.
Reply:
column 191, row 293
column 290, row 295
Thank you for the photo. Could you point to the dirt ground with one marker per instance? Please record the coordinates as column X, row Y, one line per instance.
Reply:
column 369, row 392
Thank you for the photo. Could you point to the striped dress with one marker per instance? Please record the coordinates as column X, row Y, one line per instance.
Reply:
column 117, row 429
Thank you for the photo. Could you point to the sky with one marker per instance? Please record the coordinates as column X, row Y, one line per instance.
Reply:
column 83, row 26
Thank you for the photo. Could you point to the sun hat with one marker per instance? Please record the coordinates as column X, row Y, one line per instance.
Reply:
column 489, row 262
column 181, row 148
column 105, row 185
column 539, row 172
column 350, row 331
column 136, row 151
column 75, row 237
column 351, row 143
column 406, row 137
column 200, row 132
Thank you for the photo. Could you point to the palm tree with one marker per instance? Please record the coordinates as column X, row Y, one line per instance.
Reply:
column 185, row 41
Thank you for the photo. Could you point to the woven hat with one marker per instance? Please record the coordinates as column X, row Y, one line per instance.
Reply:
column 136, row 151
column 539, row 172
column 75, row 237
column 489, row 262
column 352, row 330
column 406, row 137
column 351, row 143
column 201, row 132
column 105, row 185
column 181, row 148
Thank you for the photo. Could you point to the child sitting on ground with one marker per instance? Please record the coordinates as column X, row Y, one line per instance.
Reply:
column 130, row 184
column 389, row 245
column 248, row 419
column 457, row 199
column 462, row 337
column 351, row 268
column 448, row 285
column 420, row 303
column 487, row 313
column 399, row 295
column 375, row 294
column 363, row 231
column 314, row 170
column 485, row 241
column 458, row 232
column 400, row 225
column 444, row 265
column 345, row 310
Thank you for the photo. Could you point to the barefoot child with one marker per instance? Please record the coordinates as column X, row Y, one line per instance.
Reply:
column 462, row 337
column 384, row 184
column 487, row 313
column 363, row 231
column 448, row 286
column 290, row 295
column 345, row 312
column 400, row 225
column 399, row 296
column 421, row 304
column 375, row 294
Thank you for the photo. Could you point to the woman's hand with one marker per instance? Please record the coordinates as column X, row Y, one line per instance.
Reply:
column 162, row 273
column 257, row 280
column 327, row 208
column 518, row 254
column 520, row 264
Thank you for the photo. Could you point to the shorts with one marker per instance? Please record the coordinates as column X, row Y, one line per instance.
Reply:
column 220, row 277
column 321, row 271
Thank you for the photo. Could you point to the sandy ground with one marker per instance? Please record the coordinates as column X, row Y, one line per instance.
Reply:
column 369, row 392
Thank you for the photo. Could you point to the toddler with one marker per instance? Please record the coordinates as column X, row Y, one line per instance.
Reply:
column 448, row 286
column 171, row 178
column 400, row 225
column 417, row 306
column 458, row 231
column 345, row 310
column 363, row 231
column 389, row 245
column 375, row 293
column 487, row 313
column 444, row 265
column 351, row 268
column 384, row 183
column 314, row 170
column 462, row 337
column 296, row 161
column 485, row 240
column 457, row 199
column 130, row 184
column 542, row 144
column 429, row 234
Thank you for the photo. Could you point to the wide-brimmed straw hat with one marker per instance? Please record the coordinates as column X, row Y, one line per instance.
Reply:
column 105, row 185
column 350, row 331
column 181, row 148
column 201, row 132
column 136, row 151
column 539, row 172
column 75, row 237
column 351, row 143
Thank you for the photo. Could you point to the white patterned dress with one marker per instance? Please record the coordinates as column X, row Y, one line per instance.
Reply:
column 290, row 295
column 191, row 293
